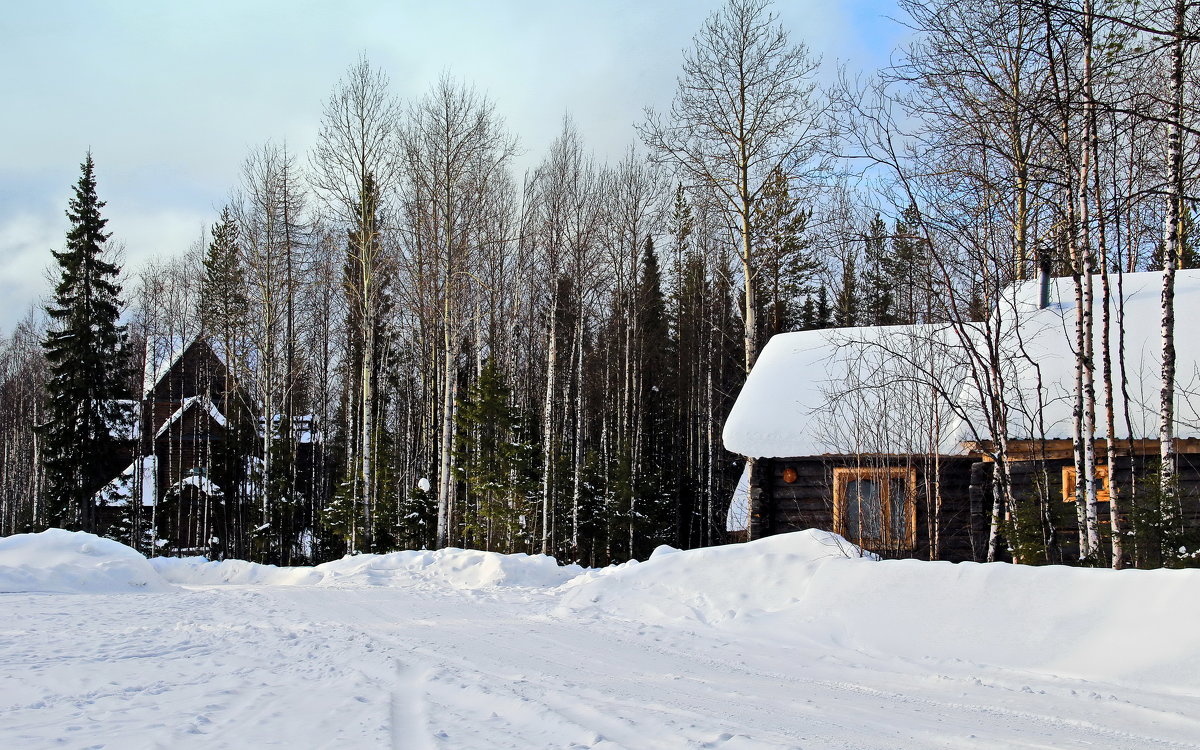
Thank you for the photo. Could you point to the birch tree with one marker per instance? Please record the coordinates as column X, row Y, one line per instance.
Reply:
column 745, row 106
column 354, row 169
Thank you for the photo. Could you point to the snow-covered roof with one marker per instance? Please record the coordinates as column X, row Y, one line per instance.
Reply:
column 201, row 402
column 1040, row 354
column 202, row 483
column 872, row 390
column 841, row 391
column 163, row 352
column 118, row 492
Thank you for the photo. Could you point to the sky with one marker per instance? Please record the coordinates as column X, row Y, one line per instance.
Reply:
column 171, row 96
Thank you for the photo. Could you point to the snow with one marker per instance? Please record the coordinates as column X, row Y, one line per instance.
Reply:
column 452, row 568
column 1045, row 349
column 201, row 402
column 794, row 641
column 117, row 492
column 870, row 389
column 202, row 483
column 63, row 562
column 794, row 404
column 737, row 518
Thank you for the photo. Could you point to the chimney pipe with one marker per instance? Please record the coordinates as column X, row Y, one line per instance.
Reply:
column 1043, row 279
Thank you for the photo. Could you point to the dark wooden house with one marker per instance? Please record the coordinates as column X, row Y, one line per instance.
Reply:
column 835, row 432
column 881, row 435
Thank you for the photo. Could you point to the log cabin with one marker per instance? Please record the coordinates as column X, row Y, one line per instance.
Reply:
column 889, row 436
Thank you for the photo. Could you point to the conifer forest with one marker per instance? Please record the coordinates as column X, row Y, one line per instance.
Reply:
column 420, row 346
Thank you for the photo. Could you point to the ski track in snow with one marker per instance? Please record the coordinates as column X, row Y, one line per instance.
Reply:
column 427, row 667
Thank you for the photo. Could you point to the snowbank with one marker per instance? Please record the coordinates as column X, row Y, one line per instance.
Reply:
column 454, row 568
column 457, row 568
column 809, row 587
column 73, row 562
column 713, row 584
column 1131, row 625
column 198, row 571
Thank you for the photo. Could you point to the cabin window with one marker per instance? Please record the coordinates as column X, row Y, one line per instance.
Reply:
column 875, row 506
column 1068, row 484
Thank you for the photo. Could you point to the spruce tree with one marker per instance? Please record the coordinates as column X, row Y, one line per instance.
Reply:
column 910, row 255
column 786, row 264
column 878, row 296
column 846, row 305
column 86, row 354
column 224, row 310
column 656, row 489
column 488, row 460
column 823, row 316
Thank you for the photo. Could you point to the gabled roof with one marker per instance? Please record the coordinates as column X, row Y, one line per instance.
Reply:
column 164, row 352
column 195, row 402
column 871, row 390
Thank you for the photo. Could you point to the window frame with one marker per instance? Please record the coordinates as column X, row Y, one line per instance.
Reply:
column 843, row 475
column 1068, row 483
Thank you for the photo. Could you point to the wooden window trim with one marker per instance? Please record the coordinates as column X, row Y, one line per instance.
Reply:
column 1068, row 484
column 843, row 475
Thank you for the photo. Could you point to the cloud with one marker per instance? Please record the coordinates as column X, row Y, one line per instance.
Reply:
column 25, row 242
column 26, row 239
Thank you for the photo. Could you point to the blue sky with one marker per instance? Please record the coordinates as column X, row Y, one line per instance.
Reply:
column 170, row 96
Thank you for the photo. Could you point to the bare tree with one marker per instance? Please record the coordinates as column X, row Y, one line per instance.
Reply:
column 353, row 170
column 455, row 149
column 744, row 107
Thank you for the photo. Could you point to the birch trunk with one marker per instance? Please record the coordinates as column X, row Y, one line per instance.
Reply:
column 1171, row 255
column 548, row 419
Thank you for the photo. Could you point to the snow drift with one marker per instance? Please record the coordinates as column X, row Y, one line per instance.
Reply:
column 66, row 562
column 450, row 567
column 806, row 588
column 1132, row 625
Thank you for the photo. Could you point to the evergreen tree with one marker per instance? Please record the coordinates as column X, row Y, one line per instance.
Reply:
column 85, row 350
column 655, row 490
column 223, row 303
column 224, row 309
column 845, row 314
column 785, row 264
column 878, row 296
column 823, row 317
column 488, row 461
column 910, row 254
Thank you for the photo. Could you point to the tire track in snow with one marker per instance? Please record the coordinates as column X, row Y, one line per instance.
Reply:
column 410, row 729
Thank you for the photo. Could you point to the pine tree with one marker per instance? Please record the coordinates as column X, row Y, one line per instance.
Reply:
column 487, row 461
column 910, row 255
column 655, row 489
column 85, row 350
column 808, row 314
column 224, row 309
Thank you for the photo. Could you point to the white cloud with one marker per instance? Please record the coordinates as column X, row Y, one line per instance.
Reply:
column 26, row 239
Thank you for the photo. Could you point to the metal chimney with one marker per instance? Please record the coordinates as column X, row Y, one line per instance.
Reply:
column 1043, row 279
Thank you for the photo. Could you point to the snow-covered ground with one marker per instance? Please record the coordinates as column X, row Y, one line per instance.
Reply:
column 781, row 643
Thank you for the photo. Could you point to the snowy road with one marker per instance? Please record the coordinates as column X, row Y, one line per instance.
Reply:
column 433, row 667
